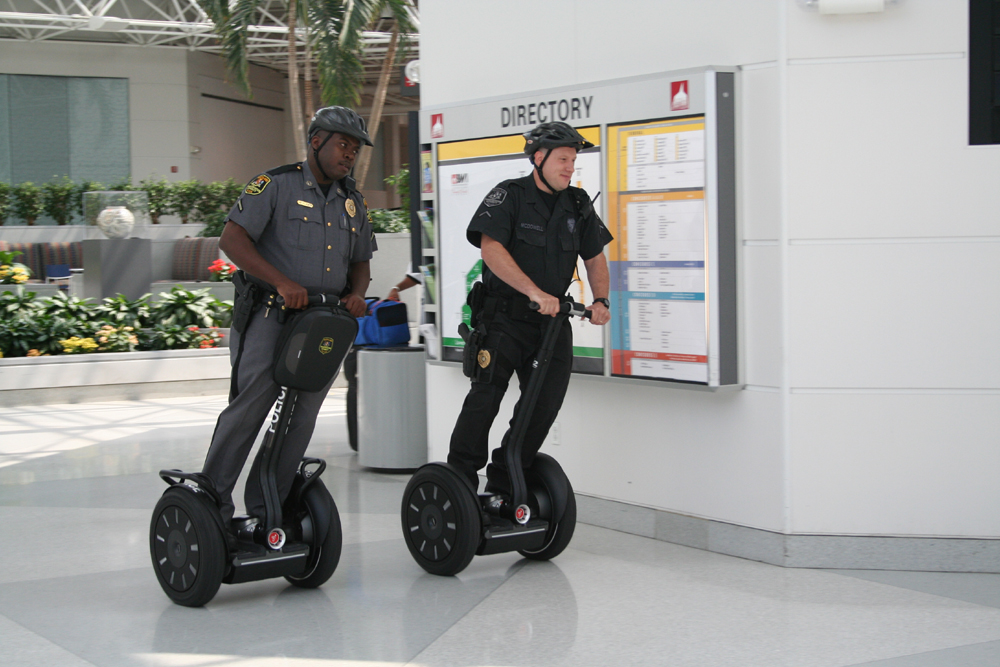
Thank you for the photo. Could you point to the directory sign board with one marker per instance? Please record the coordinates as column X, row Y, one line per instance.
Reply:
column 467, row 171
column 667, row 169
column 656, row 195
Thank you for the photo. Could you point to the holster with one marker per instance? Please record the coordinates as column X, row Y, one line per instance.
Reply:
column 246, row 302
column 474, row 339
column 475, row 301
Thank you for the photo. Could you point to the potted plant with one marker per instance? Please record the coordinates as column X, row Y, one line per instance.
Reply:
column 159, row 193
column 184, row 199
column 219, row 198
column 85, row 186
column 57, row 200
column 5, row 200
column 27, row 202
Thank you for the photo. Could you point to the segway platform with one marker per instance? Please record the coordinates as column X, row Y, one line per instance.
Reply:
column 194, row 552
column 446, row 523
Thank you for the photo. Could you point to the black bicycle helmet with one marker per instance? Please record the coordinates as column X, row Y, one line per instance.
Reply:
column 340, row 119
column 337, row 119
column 553, row 135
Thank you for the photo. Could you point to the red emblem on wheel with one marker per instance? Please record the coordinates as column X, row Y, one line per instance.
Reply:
column 520, row 512
column 275, row 538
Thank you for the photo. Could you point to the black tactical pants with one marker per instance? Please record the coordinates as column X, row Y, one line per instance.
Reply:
column 512, row 346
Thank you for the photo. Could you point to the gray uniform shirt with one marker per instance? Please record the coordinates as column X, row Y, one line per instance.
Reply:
column 311, row 238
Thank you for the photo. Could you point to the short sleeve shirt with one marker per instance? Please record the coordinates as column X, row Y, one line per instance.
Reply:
column 310, row 237
column 514, row 215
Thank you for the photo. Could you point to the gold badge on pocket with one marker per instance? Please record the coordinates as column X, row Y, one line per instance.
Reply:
column 304, row 203
column 351, row 208
column 483, row 358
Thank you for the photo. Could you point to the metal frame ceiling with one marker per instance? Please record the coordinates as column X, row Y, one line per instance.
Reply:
column 170, row 23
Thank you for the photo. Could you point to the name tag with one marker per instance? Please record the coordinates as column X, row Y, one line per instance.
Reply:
column 304, row 203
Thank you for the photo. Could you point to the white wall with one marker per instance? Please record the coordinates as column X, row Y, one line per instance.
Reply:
column 167, row 114
column 237, row 140
column 869, row 280
column 158, row 109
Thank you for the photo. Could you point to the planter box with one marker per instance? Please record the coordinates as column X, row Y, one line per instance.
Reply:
column 113, row 376
column 41, row 290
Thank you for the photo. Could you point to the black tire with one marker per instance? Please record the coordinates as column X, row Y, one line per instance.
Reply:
column 560, row 533
column 323, row 558
column 187, row 547
column 441, row 522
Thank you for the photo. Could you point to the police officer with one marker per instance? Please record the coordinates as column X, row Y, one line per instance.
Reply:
column 530, row 231
column 304, row 229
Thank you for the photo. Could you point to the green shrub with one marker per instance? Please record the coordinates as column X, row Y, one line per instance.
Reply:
column 120, row 311
column 58, row 200
column 5, row 201
column 185, row 197
column 17, row 304
column 27, row 202
column 176, row 337
column 159, row 194
column 84, row 186
column 68, row 307
column 185, row 308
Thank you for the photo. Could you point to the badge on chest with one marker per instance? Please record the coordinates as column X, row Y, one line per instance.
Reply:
column 352, row 210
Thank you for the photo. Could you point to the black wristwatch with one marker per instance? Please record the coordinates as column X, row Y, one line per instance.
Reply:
column 601, row 299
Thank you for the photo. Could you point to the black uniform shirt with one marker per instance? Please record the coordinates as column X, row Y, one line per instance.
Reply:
column 310, row 237
column 544, row 245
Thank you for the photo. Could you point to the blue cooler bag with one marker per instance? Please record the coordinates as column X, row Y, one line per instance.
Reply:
column 385, row 325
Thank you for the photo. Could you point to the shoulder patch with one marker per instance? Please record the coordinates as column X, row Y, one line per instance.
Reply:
column 295, row 166
column 257, row 185
column 495, row 197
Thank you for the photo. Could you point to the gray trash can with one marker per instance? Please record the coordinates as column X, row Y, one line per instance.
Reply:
column 392, row 407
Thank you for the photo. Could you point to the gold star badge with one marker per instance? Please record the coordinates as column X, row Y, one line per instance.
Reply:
column 351, row 208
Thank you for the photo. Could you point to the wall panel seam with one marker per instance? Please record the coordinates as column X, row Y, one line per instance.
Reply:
column 850, row 60
column 914, row 391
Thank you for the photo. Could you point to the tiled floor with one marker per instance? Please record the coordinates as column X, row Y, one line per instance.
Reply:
column 78, row 483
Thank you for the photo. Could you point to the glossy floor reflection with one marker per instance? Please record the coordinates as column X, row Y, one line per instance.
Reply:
column 78, row 483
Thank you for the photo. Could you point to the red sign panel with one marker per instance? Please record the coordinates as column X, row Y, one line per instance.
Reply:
column 679, row 95
column 437, row 125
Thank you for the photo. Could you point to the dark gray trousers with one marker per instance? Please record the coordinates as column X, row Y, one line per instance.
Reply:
column 240, row 422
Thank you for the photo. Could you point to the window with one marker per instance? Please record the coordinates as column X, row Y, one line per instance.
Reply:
column 984, row 72
column 54, row 126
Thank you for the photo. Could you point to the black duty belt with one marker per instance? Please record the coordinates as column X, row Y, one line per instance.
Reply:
column 514, row 308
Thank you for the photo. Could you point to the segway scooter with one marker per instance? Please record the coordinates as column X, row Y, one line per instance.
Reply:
column 446, row 523
column 193, row 551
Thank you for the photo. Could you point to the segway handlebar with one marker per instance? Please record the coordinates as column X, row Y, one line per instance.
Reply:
column 314, row 300
column 571, row 308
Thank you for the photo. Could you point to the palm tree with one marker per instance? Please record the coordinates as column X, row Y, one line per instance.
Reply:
column 333, row 29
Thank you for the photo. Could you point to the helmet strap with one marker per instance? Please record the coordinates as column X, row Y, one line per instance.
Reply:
column 320, row 164
column 538, row 168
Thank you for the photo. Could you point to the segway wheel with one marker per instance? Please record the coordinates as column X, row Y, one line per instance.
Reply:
column 187, row 547
column 560, row 534
column 441, row 523
column 324, row 556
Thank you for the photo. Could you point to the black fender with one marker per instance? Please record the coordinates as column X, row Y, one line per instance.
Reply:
column 205, row 493
column 454, row 471
column 317, row 501
column 547, row 484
